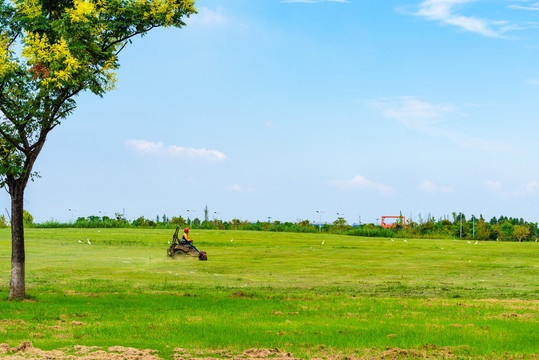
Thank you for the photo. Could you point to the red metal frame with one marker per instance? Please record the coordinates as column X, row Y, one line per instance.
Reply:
column 383, row 224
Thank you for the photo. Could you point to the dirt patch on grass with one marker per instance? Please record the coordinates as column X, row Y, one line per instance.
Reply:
column 241, row 294
column 77, row 293
column 26, row 351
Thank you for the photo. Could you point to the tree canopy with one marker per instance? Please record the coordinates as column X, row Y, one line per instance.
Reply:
column 50, row 51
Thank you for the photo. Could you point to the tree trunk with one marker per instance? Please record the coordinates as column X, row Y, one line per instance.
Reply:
column 17, row 289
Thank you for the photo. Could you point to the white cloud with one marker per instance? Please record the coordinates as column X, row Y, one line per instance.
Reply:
column 361, row 182
column 236, row 187
column 185, row 152
column 174, row 151
column 476, row 105
column 146, row 147
column 427, row 118
column 432, row 188
column 493, row 185
column 239, row 188
column 208, row 17
column 532, row 7
column 523, row 189
column 531, row 186
column 412, row 112
column 445, row 11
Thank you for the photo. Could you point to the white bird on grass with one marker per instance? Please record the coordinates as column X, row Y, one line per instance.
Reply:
column 405, row 241
column 323, row 241
column 392, row 240
column 469, row 242
column 89, row 243
column 476, row 242
column 80, row 241
column 231, row 240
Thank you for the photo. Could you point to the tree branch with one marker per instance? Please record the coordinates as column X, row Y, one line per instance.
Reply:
column 12, row 41
column 11, row 141
column 9, row 138
column 55, row 115
column 105, row 47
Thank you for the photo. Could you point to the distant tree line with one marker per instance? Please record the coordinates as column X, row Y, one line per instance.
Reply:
column 496, row 229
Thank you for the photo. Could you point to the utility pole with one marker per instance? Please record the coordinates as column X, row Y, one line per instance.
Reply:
column 473, row 226
column 72, row 214
column 461, row 225
column 320, row 212
column 216, row 220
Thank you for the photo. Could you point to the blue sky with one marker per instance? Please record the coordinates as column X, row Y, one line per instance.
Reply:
column 278, row 109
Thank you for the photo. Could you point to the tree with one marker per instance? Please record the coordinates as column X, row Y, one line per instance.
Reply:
column 507, row 230
column 483, row 229
column 27, row 218
column 177, row 220
column 304, row 223
column 521, row 232
column 496, row 232
column 236, row 223
column 426, row 226
column 51, row 51
column 3, row 222
column 340, row 224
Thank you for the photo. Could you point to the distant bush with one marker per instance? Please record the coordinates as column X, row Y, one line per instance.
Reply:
column 372, row 232
column 3, row 222
column 27, row 218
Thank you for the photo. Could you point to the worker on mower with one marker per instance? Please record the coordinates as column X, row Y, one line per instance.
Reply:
column 186, row 240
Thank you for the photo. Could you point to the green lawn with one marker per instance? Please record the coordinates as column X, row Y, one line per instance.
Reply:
column 297, row 292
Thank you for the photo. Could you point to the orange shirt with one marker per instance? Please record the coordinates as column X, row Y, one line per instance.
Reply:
column 186, row 237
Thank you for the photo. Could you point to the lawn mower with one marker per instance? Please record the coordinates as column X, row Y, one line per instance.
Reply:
column 177, row 247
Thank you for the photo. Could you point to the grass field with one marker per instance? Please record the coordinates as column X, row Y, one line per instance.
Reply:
column 308, row 294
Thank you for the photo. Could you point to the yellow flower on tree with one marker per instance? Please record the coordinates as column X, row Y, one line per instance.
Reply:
column 6, row 65
column 82, row 11
column 29, row 8
column 56, row 58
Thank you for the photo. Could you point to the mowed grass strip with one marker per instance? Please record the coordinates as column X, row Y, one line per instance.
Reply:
column 272, row 290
